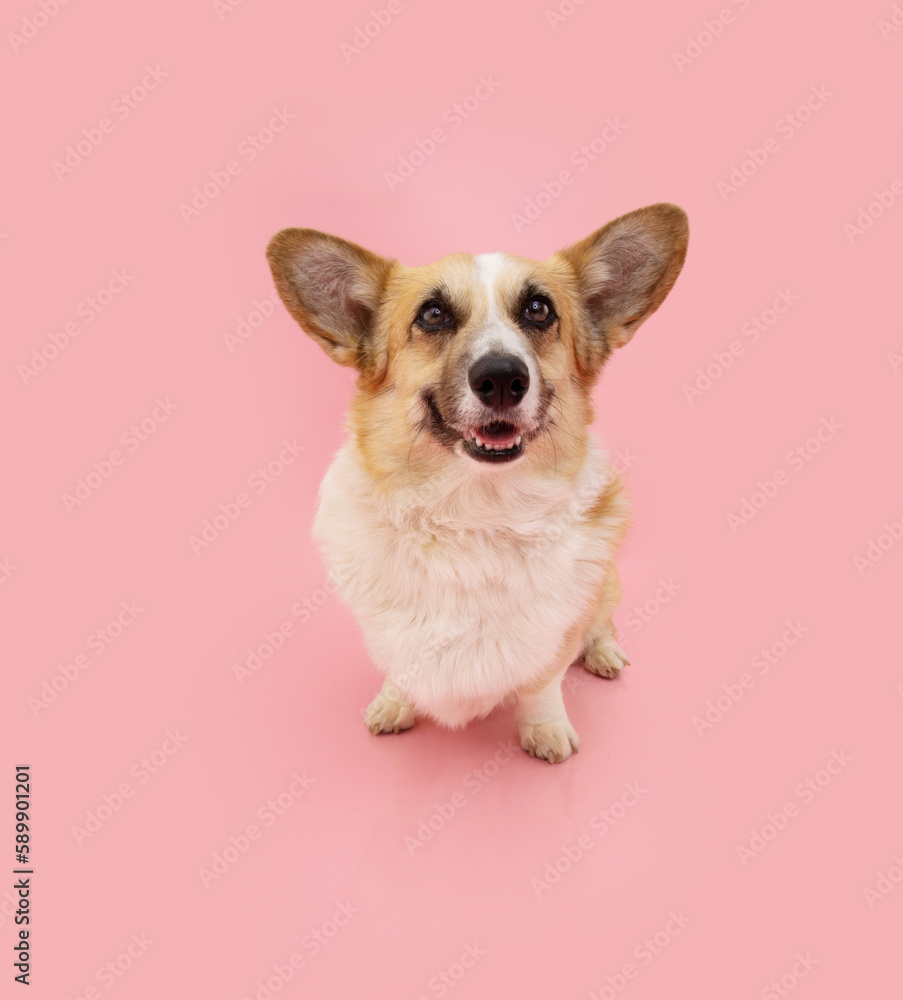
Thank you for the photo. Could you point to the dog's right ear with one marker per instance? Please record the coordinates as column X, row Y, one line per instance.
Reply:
column 332, row 288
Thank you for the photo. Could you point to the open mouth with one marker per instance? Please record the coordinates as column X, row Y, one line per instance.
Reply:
column 495, row 442
column 498, row 441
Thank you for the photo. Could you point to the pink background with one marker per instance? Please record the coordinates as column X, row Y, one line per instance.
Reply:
column 701, row 598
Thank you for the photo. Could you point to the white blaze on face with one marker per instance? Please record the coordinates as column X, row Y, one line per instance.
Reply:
column 499, row 336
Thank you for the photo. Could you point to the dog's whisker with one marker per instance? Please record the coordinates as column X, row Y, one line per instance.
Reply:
column 420, row 430
column 569, row 432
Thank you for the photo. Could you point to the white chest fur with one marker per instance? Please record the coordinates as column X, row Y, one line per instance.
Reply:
column 465, row 592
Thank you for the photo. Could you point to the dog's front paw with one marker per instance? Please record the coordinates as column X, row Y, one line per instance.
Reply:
column 384, row 715
column 552, row 741
column 604, row 657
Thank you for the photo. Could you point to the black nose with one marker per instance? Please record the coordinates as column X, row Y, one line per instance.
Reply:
column 499, row 380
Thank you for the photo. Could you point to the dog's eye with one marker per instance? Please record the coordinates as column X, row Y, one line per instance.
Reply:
column 434, row 315
column 538, row 311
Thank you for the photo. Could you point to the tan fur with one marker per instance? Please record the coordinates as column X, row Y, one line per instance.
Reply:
column 610, row 511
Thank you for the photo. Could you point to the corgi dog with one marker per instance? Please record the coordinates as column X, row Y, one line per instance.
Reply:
column 471, row 522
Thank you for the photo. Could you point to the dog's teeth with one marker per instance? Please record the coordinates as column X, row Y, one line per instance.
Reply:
column 479, row 442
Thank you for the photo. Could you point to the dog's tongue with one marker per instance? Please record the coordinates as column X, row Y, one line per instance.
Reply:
column 500, row 435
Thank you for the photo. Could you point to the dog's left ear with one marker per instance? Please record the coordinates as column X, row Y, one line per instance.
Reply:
column 625, row 270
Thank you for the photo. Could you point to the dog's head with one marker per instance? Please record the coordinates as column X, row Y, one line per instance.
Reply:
column 486, row 360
